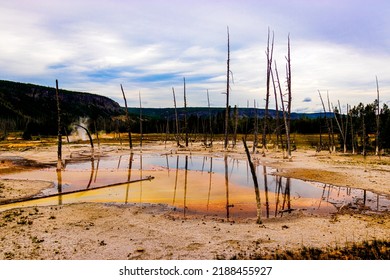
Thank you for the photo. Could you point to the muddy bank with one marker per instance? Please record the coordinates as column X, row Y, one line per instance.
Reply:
column 17, row 189
column 99, row 231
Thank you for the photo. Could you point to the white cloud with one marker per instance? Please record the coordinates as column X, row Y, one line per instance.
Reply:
column 149, row 46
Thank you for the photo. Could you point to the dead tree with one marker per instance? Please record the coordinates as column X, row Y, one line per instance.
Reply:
column 210, row 120
column 346, row 128
column 377, row 119
column 89, row 137
column 362, row 112
column 340, row 125
column 176, row 118
column 227, row 93
column 140, row 120
column 127, row 119
column 59, row 150
column 283, row 108
column 235, row 117
column 352, row 132
column 185, row 113
column 269, row 54
column 287, row 115
column 255, row 182
column 276, row 110
column 327, row 122
column 331, row 125
column 255, row 127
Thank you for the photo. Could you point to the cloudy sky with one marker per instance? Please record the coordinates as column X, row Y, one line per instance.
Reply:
column 148, row 46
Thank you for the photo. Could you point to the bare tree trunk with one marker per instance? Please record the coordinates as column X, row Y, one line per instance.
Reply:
column 340, row 125
column 255, row 127
column 277, row 111
column 327, row 123
column 344, row 134
column 140, row 120
column 283, row 109
column 235, row 125
column 364, row 134
column 331, row 125
column 227, row 94
column 352, row 132
column 210, row 120
column 90, row 139
column 128, row 120
column 185, row 113
column 288, row 122
column 176, row 117
column 59, row 150
column 377, row 119
column 346, row 131
column 269, row 54
column 255, row 183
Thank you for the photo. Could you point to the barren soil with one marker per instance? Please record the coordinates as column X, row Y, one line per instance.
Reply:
column 111, row 231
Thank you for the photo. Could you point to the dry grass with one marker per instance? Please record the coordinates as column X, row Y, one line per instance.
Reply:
column 366, row 250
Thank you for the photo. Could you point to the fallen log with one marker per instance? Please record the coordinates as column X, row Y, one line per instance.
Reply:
column 25, row 199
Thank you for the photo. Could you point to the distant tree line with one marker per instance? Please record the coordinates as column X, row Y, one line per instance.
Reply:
column 360, row 130
column 32, row 110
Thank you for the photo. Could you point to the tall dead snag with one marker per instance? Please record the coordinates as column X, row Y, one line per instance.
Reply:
column 210, row 120
column 59, row 150
column 269, row 54
column 346, row 129
column 340, row 125
column 327, row 123
column 176, row 118
column 282, row 104
column 127, row 119
column 377, row 119
column 140, row 120
column 352, row 132
column 364, row 136
column 255, row 182
column 90, row 139
column 235, row 116
column 185, row 113
column 255, row 127
column 287, row 115
column 333, row 145
column 227, row 93
column 276, row 110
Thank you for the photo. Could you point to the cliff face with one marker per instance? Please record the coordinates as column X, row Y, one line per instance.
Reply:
column 27, row 104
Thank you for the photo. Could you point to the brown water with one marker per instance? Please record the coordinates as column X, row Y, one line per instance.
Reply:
column 221, row 187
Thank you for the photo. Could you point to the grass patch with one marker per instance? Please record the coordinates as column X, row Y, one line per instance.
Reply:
column 366, row 250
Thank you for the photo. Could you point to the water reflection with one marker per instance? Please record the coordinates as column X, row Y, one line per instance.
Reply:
column 185, row 185
column 129, row 176
column 227, row 187
column 225, row 190
column 210, row 181
column 59, row 186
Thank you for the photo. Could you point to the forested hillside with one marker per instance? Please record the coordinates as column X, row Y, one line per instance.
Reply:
column 32, row 108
